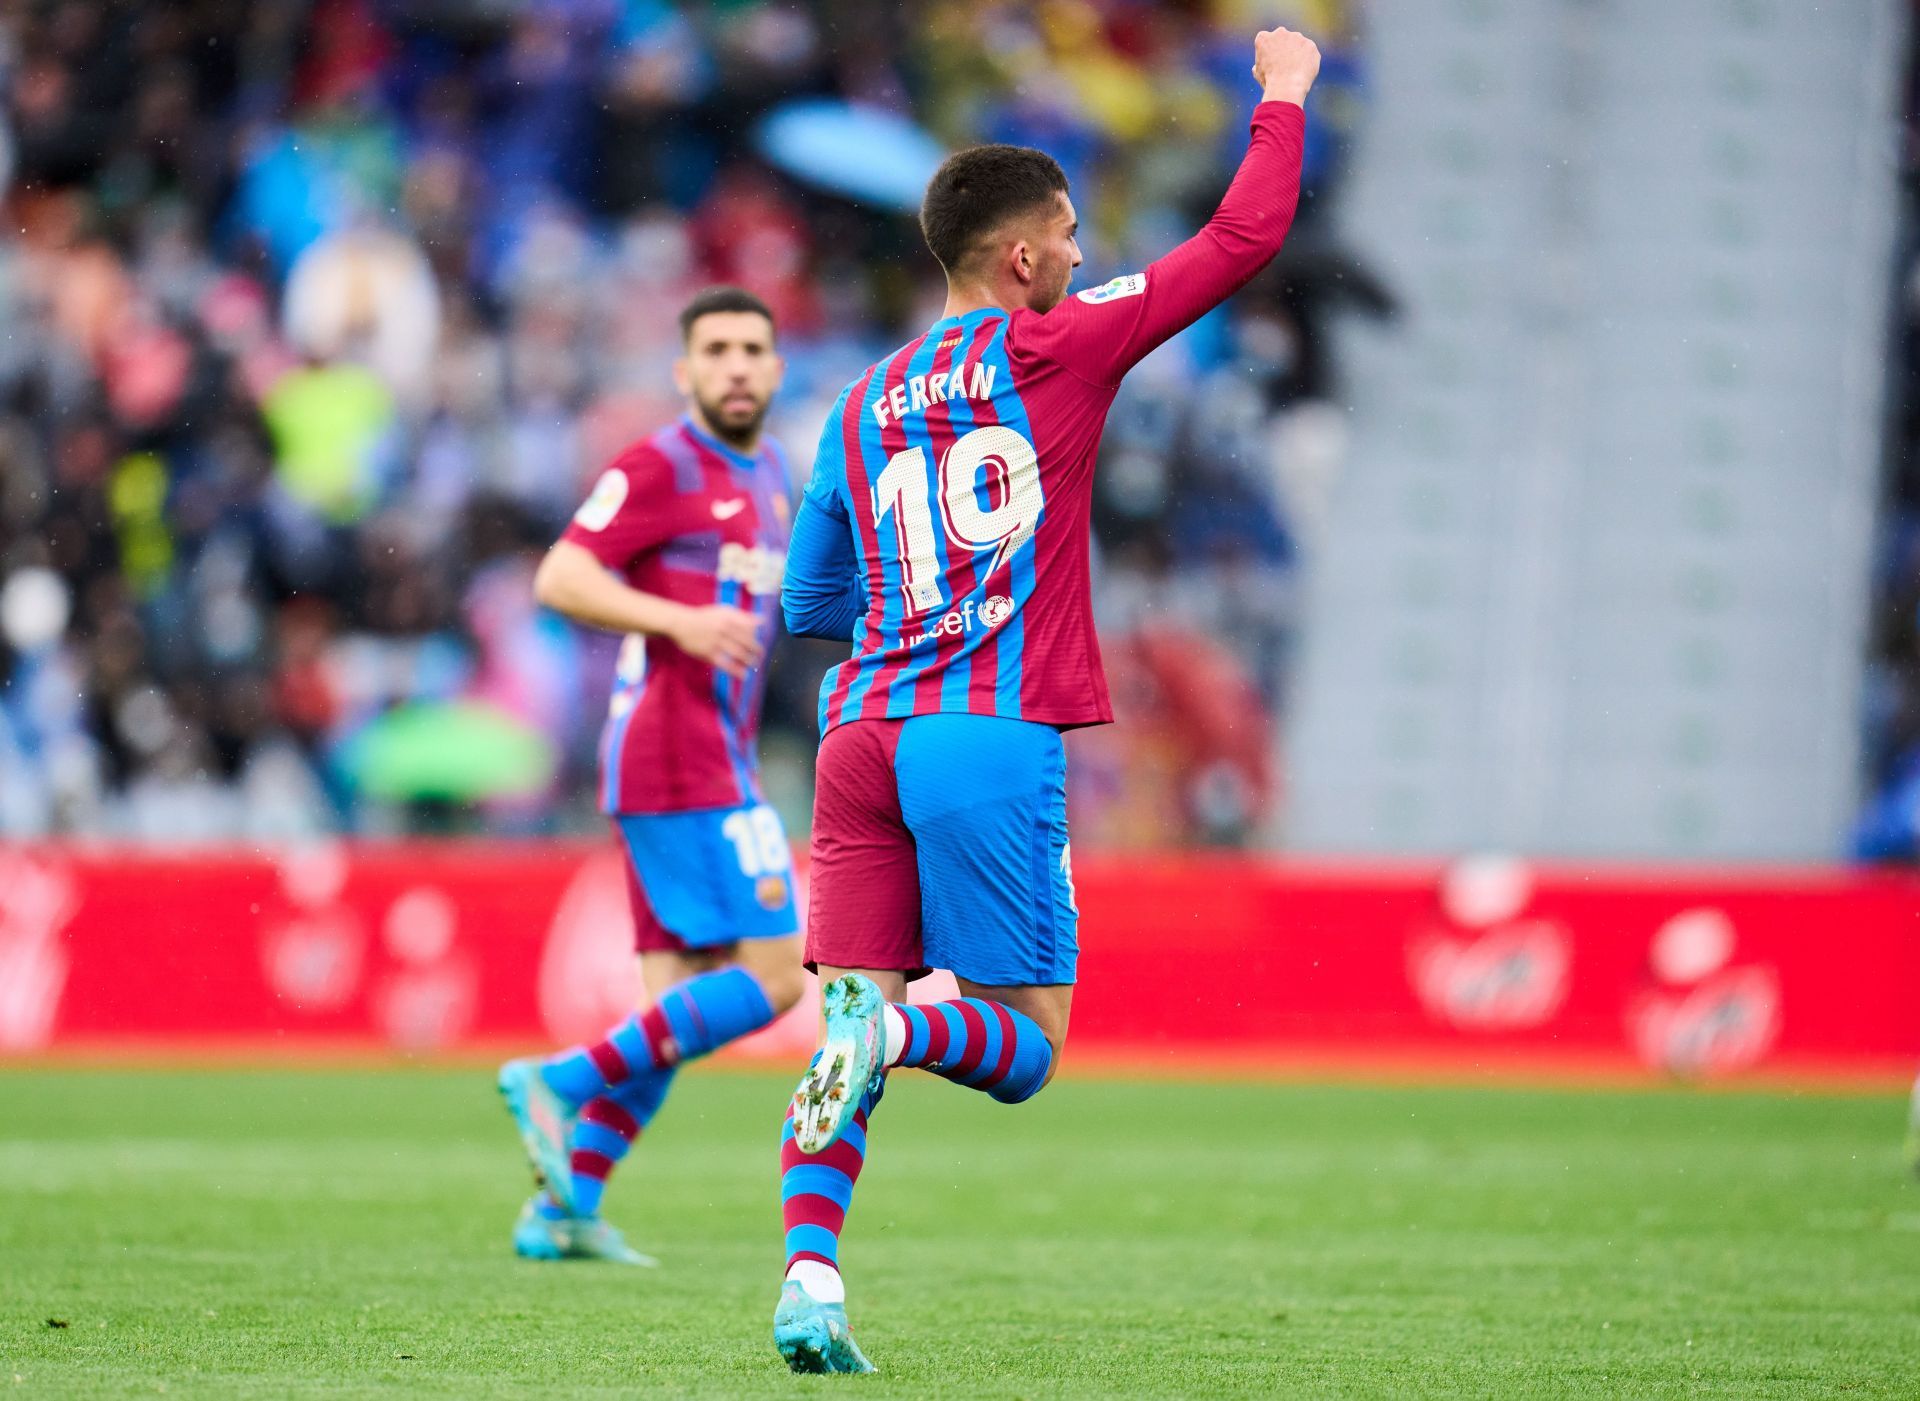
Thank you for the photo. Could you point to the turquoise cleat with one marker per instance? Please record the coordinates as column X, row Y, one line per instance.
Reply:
column 850, row 1059
column 537, row 1237
column 596, row 1239
column 545, row 1122
column 814, row 1337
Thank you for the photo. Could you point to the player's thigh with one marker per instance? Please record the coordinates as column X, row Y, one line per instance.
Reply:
column 710, row 878
column 661, row 969
column 776, row 965
column 985, row 800
column 863, row 883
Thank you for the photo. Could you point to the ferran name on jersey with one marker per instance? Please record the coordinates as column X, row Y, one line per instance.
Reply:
column 1130, row 285
column 918, row 393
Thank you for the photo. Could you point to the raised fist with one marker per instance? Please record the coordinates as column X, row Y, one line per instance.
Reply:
column 1285, row 64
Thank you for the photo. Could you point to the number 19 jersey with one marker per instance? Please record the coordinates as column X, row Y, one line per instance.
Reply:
column 931, row 457
column 958, row 472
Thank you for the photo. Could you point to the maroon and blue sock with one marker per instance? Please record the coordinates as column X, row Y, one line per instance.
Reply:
column 690, row 1019
column 604, row 1132
column 816, row 1189
column 971, row 1041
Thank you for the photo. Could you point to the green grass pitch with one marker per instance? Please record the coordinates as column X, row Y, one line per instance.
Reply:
column 309, row 1233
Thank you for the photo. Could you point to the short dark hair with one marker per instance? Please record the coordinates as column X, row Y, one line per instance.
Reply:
column 977, row 190
column 720, row 299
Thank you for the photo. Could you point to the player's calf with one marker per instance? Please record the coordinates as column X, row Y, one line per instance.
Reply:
column 816, row 1189
column 626, row 1076
column 605, row 1132
column 691, row 1019
column 971, row 1041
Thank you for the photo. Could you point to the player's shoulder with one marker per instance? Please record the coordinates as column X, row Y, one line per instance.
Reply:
column 870, row 383
column 644, row 457
column 1114, row 289
column 1081, row 332
column 1078, row 312
column 845, row 397
column 671, row 459
column 642, row 474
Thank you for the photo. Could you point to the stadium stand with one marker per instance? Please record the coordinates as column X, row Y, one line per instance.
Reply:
column 322, row 315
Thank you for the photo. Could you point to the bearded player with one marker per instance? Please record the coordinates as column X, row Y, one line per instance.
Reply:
column 944, row 533
column 680, row 547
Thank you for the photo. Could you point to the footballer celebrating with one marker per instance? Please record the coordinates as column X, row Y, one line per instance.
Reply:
column 944, row 533
column 680, row 547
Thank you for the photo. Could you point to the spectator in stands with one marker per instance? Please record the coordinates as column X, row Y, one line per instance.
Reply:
column 324, row 312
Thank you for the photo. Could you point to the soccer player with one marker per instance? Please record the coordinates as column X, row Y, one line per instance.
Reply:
column 680, row 546
column 944, row 532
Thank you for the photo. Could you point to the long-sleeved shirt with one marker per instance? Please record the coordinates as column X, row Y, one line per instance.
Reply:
column 829, row 596
column 945, row 526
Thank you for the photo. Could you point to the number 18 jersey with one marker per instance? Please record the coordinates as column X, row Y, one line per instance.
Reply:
column 955, row 476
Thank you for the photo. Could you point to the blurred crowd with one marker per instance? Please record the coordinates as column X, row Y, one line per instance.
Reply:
column 320, row 314
column 1889, row 825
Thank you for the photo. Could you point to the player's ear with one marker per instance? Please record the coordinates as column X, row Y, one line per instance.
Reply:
column 682, row 380
column 1020, row 259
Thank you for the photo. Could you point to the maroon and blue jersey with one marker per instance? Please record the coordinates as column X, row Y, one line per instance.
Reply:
column 945, row 527
column 686, row 517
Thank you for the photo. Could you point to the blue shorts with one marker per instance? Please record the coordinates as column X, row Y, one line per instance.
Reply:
column 940, row 841
column 705, row 879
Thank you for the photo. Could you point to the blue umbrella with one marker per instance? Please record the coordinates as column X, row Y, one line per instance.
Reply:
column 869, row 154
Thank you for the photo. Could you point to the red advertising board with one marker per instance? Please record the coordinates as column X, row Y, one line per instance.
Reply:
column 1185, row 960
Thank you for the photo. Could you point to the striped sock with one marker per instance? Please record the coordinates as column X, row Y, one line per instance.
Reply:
column 815, row 1192
column 607, row 1128
column 971, row 1041
column 690, row 1019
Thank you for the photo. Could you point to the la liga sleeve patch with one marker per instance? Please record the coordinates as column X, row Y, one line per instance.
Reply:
column 1130, row 285
column 608, row 496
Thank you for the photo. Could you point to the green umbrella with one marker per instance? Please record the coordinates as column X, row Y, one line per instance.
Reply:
column 457, row 751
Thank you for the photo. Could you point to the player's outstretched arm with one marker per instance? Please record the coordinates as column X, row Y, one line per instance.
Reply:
column 824, row 594
column 573, row 581
column 1103, row 332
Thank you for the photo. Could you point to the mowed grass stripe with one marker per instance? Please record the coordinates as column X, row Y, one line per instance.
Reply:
column 343, row 1233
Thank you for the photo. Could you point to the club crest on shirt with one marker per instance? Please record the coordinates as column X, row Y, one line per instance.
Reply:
column 771, row 892
column 609, row 495
column 1129, row 285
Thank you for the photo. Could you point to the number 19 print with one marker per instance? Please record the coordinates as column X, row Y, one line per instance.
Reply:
column 994, row 460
